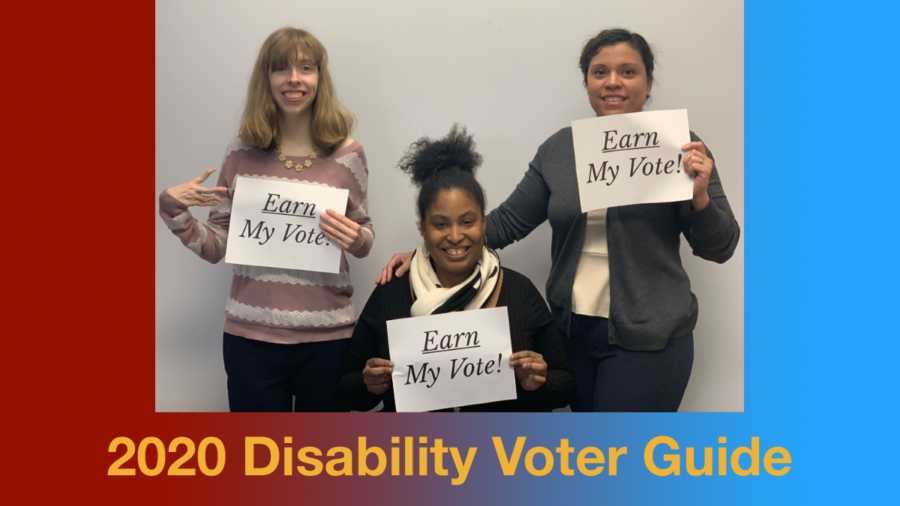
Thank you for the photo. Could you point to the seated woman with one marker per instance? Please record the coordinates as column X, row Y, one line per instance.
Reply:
column 452, row 270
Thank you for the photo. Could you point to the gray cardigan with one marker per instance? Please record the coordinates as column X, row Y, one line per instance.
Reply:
column 650, row 293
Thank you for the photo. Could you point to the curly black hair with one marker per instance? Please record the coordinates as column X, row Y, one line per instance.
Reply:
column 441, row 165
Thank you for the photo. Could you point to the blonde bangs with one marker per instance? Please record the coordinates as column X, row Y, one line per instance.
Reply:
column 290, row 46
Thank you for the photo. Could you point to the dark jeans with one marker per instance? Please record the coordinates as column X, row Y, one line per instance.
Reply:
column 282, row 377
column 611, row 378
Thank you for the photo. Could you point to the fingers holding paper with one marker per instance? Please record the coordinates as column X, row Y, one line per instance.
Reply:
column 377, row 375
column 530, row 369
column 699, row 166
column 342, row 230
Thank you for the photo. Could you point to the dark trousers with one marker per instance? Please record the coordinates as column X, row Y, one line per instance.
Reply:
column 282, row 377
column 611, row 378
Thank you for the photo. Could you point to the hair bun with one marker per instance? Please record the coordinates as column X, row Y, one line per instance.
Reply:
column 426, row 157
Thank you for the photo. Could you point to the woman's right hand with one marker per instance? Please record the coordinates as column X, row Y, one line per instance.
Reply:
column 377, row 375
column 400, row 262
column 192, row 194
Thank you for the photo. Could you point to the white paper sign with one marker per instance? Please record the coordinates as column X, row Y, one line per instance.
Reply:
column 276, row 224
column 453, row 359
column 632, row 158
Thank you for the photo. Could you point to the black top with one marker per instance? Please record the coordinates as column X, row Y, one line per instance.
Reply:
column 531, row 327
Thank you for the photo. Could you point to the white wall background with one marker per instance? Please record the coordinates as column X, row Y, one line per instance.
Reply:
column 505, row 69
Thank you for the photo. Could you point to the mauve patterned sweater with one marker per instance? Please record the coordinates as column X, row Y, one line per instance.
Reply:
column 280, row 305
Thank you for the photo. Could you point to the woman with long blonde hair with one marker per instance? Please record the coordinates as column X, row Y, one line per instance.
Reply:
column 285, row 330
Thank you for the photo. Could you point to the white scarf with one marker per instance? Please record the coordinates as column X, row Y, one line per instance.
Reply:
column 431, row 296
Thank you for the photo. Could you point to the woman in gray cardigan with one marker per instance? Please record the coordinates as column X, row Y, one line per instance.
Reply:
column 616, row 287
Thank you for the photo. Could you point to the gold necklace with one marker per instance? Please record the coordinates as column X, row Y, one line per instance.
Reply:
column 289, row 164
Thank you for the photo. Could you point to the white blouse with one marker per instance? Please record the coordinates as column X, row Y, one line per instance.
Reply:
column 590, row 293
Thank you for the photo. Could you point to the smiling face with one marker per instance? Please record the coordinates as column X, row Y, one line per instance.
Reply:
column 617, row 80
column 294, row 86
column 453, row 229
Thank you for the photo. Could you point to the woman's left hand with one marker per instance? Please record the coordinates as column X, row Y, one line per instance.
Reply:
column 531, row 370
column 699, row 166
column 341, row 230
